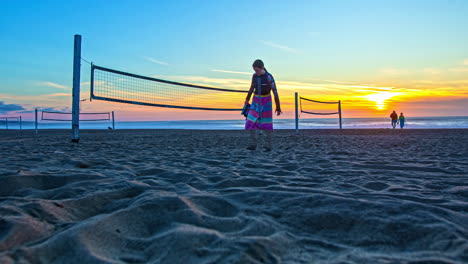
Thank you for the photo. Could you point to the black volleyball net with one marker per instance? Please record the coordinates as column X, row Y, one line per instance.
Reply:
column 67, row 116
column 309, row 106
column 52, row 118
column 123, row 87
column 9, row 122
column 305, row 105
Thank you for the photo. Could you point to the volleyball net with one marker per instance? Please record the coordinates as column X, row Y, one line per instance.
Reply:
column 57, row 116
column 67, row 117
column 309, row 106
column 123, row 87
column 7, row 121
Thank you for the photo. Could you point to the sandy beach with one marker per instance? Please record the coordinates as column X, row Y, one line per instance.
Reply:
column 193, row 196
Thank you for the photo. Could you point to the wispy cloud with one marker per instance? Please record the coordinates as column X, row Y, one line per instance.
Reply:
column 432, row 71
column 332, row 81
column 59, row 94
column 156, row 61
column 95, row 82
column 55, row 85
column 289, row 87
column 224, row 82
column 235, row 72
column 50, row 109
column 394, row 71
column 458, row 69
column 279, row 46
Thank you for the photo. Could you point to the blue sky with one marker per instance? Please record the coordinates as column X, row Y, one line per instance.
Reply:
column 356, row 41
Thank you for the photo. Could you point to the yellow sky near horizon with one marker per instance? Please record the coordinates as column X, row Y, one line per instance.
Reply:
column 418, row 93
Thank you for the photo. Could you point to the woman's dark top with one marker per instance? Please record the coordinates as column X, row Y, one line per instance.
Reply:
column 266, row 82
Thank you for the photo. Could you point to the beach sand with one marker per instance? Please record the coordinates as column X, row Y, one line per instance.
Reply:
column 184, row 196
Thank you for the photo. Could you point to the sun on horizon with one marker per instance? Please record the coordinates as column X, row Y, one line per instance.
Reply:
column 380, row 98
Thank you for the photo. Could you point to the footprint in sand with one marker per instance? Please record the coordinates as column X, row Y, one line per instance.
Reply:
column 376, row 186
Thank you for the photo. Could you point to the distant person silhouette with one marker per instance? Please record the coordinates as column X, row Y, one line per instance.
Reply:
column 394, row 117
column 402, row 120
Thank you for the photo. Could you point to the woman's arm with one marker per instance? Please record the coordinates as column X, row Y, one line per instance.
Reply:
column 271, row 80
column 247, row 99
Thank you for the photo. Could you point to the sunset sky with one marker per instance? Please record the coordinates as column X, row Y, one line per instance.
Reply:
column 375, row 56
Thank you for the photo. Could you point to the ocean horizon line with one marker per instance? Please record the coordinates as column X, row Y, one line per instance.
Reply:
column 234, row 119
column 236, row 124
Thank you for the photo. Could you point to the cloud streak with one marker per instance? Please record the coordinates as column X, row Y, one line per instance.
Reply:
column 332, row 81
column 156, row 61
column 433, row 71
column 459, row 70
column 279, row 46
column 55, row 85
column 394, row 71
column 235, row 72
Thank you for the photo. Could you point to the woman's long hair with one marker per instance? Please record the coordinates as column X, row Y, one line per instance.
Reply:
column 259, row 64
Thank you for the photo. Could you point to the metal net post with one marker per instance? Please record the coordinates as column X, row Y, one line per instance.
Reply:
column 296, row 96
column 76, row 90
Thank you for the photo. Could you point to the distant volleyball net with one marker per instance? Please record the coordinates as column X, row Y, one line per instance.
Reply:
column 9, row 122
column 56, row 116
column 67, row 117
column 306, row 105
column 123, row 87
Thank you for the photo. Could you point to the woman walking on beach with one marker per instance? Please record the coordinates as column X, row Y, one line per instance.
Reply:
column 401, row 120
column 260, row 116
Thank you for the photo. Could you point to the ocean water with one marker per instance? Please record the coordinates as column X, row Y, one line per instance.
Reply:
column 322, row 123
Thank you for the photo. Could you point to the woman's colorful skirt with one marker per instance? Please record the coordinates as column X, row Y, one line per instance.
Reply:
column 260, row 116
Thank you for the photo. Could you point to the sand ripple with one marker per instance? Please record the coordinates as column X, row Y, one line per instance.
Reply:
column 357, row 196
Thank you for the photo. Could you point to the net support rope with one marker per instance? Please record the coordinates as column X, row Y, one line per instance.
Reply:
column 123, row 87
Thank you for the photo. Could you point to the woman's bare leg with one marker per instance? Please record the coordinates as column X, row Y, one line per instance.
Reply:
column 269, row 139
column 253, row 140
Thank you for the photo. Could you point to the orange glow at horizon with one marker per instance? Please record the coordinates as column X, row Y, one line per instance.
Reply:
column 366, row 99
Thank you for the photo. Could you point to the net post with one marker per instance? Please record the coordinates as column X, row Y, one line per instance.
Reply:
column 76, row 90
column 91, row 89
column 339, row 113
column 297, row 112
column 113, row 121
column 21, row 123
column 35, row 121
